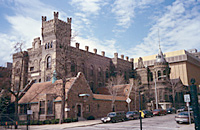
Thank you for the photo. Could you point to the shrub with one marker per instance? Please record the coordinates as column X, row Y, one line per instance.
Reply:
column 46, row 122
column 54, row 121
column 90, row 118
column 33, row 122
column 68, row 120
column 74, row 119
column 40, row 122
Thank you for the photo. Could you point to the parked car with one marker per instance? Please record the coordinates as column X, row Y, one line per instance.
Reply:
column 181, row 109
column 171, row 110
column 158, row 112
column 132, row 115
column 114, row 117
column 183, row 117
column 147, row 113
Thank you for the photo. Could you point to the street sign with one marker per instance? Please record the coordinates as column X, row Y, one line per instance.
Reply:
column 67, row 109
column 29, row 112
column 128, row 100
column 187, row 98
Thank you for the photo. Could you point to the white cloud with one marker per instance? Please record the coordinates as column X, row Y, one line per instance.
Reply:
column 101, row 45
column 178, row 29
column 125, row 10
column 25, row 24
column 88, row 7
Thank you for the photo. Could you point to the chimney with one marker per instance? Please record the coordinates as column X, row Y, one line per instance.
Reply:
column 122, row 56
column 115, row 55
column 127, row 58
column 95, row 51
column 86, row 48
column 131, row 60
column 103, row 53
column 55, row 15
column 77, row 45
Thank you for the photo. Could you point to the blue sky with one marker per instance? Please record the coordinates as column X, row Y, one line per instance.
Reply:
column 129, row 27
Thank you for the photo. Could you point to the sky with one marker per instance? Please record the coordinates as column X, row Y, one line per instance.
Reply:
column 129, row 27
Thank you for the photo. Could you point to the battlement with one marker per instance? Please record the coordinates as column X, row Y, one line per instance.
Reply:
column 56, row 14
column 77, row 45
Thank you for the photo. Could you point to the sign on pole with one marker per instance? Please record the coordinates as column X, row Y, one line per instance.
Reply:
column 29, row 112
column 128, row 100
column 187, row 98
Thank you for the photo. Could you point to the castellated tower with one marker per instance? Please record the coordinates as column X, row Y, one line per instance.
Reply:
column 54, row 33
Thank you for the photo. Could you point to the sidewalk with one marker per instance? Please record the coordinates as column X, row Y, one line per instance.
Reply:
column 59, row 126
column 187, row 127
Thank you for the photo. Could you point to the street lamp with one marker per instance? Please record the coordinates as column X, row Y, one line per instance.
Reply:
column 156, row 97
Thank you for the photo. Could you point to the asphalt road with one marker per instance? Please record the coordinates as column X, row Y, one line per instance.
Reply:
column 155, row 123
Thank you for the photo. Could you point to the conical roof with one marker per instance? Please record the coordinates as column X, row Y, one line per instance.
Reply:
column 160, row 58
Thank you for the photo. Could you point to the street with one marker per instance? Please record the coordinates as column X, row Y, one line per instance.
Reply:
column 155, row 123
column 166, row 122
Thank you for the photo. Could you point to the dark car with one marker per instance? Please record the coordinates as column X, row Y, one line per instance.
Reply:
column 183, row 117
column 158, row 112
column 147, row 113
column 132, row 115
column 171, row 110
column 114, row 117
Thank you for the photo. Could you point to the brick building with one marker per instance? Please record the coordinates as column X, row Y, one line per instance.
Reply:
column 42, row 59
column 45, row 101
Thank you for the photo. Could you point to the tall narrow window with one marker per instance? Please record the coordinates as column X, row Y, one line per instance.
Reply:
column 42, row 107
column 151, row 76
column 91, row 70
column 107, row 73
column 83, row 68
column 51, row 45
column 159, row 74
column 73, row 67
column 99, row 72
column 48, row 62
column 50, row 107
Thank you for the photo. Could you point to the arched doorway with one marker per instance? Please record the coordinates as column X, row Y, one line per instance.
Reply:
column 78, row 110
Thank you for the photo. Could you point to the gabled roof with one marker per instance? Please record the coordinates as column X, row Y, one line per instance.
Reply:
column 123, row 90
column 38, row 90
column 108, row 97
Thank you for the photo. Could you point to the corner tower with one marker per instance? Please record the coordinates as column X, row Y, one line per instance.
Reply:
column 54, row 32
column 161, row 66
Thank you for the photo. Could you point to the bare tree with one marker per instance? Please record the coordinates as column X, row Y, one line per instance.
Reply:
column 15, row 87
column 112, row 82
column 63, row 63
column 176, row 86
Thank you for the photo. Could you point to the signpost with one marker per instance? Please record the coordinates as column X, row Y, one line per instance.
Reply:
column 128, row 100
column 187, row 100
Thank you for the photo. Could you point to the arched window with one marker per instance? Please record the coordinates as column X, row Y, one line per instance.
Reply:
column 91, row 70
column 48, row 62
column 83, row 68
column 51, row 45
column 46, row 46
column 99, row 72
column 164, row 72
column 107, row 73
column 159, row 74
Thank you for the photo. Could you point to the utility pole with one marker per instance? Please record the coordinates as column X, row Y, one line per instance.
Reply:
column 195, row 104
